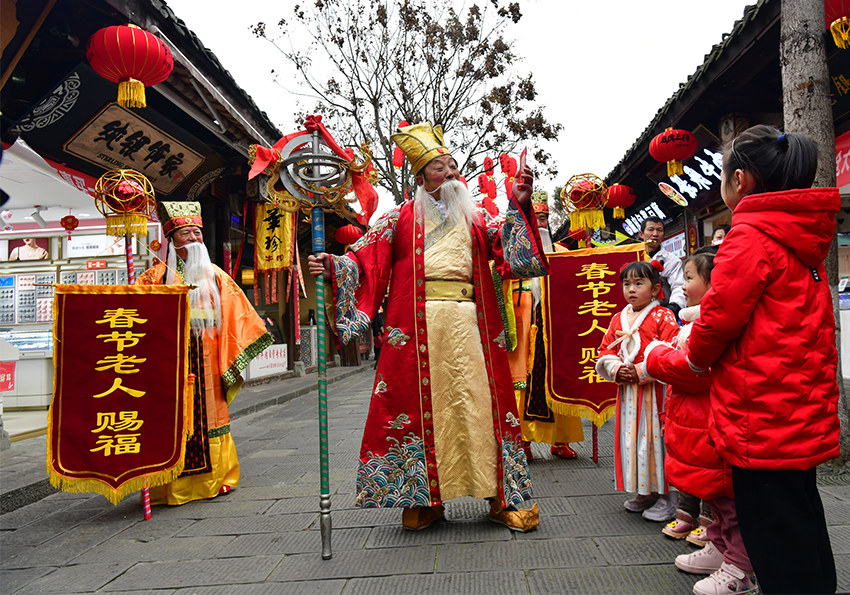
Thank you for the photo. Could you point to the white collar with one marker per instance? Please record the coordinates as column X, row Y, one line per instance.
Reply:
column 437, row 203
column 689, row 314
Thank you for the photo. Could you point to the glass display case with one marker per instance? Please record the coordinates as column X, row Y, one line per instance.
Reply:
column 30, row 340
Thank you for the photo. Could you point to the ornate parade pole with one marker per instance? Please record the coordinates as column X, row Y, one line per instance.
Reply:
column 316, row 175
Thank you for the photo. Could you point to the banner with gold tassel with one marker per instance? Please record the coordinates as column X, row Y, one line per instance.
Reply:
column 272, row 247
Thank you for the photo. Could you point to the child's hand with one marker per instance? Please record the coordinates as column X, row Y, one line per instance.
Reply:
column 626, row 374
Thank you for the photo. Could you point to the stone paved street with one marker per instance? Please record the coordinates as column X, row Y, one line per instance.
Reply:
column 263, row 538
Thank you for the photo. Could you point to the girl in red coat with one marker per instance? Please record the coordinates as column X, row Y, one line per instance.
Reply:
column 691, row 463
column 638, row 443
column 767, row 332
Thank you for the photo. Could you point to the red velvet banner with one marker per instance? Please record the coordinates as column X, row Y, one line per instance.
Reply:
column 122, row 404
column 580, row 297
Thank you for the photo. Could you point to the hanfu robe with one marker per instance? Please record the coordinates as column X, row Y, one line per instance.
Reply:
column 638, row 441
column 217, row 362
column 443, row 419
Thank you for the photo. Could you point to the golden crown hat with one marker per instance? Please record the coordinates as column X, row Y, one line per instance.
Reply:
column 540, row 201
column 174, row 215
column 421, row 143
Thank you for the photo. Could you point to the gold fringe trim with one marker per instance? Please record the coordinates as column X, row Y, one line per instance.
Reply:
column 587, row 219
column 619, row 213
column 114, row 495
column 674, row 168
column 840, row 29
column 580, row 411
column 131, row 93
column 124, row 223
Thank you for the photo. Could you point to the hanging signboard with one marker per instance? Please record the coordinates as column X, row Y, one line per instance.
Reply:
column 118, row 138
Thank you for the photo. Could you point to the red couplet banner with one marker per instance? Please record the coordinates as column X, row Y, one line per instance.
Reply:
column 580, row 297
column 121, row 409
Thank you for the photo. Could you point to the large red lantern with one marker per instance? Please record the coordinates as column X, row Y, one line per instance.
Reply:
column 837, row 21
column 673, row 146
column 348, row 234
column 127, row 200
column 584, row 197
column 131, row 57
column 482, row 183
column 620, row 197
column 488, row 166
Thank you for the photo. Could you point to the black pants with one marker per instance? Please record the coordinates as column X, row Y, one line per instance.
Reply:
column 782, row 523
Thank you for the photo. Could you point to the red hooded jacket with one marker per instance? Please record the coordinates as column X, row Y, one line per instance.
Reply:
column 767, row 331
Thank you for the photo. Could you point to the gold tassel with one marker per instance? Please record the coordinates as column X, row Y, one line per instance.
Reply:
column 578, row 411
column 124, row 223
column 131, row 93
column 840, row 29
column 582, row 244
column 619, row 213
column 674, row 168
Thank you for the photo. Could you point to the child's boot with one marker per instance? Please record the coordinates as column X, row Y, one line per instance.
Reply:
column 704, row 561
column 681, row 526
column 727, row 579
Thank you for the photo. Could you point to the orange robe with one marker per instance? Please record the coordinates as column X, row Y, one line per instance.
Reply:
column 242, row 337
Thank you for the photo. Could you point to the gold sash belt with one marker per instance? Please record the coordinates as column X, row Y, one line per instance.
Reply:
column 449, row 291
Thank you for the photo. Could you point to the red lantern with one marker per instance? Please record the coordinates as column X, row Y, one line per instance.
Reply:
column 620, row 197
column 673, row 146
column 348, row 234
column 131, row 57
column 398, row 154
column 491, row 188
column 482, row 184
column 581, row 236
column 837, row 21
column 488, row 166
column 69, row 223
column 155, row 245
column 465, row 183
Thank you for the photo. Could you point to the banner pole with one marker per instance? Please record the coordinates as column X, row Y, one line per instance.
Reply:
column 131, row 279
column 595, row 444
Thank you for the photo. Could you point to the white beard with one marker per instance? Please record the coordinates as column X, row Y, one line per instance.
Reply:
column 536, row 289
column 546, row 239
column 205, row 298
column 455, row 202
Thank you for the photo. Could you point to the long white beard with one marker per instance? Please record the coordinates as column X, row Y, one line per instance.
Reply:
column 536, row 289
column 454, row 198
column 205, row 298
column 546, row 239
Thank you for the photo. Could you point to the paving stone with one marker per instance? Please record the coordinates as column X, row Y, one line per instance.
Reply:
column 160, row 526
column 839, row 539
column 842, row 492
column 561, row 475
column 554, row 553
column 232, row 506
column 466, row 509
column 75, row 579
column 178, row 548
column 46, row 529
column 580, row 487
column 662, row 579
column 276, row 492
column 174, row 575
column 366, row 517
column 836, row 512
column 407, row 560
column 842, row 569
column 256, row 524
column 65, row 546
column 555, row 506
column 293, row 542
column 335, row 475
column 603, row 504
column 628, row 550
column 493, row 583
column 12, row 580
column 32, row 513
column 332, row 587
column 592, row 526
column 347, row 487
column 311, row 504
column 441, row 532
column 273, row 454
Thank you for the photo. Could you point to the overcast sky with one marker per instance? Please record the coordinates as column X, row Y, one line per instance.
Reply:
column 602, row 69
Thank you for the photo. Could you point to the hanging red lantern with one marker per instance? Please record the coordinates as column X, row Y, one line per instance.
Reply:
column 491, row 188
column 580, row 235
column 620, row 197
column 155, row 245
column 488, row 166
column 131, row 57
column 673, row 146
column 837, row 14
column 465, row 183
column 482, row 184
column 69, row 223
column 584, row 197
column 348, row 234
column 398, row 154
column 127, row 200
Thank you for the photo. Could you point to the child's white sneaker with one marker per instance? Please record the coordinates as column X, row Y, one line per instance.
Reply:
column 727, row 579
column 704, row 561
column 663, row 510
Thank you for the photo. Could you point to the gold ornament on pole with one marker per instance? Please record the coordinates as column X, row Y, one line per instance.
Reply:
column 584, row 197
column 126, row 199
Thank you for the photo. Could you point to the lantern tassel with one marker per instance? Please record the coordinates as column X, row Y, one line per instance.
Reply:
column 119, row 225
column 586, row 219
column 674, row 168
column 840, row 29
column 619, row 213
column 131, row 93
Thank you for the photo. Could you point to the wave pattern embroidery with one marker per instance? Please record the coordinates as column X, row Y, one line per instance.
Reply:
column 516, row 237
column 397, row 479
column 383, row 230
column 350, row 322
column 517, row 483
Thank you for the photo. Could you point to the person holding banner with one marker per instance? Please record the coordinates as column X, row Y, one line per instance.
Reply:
column 227, row 334
column 528, row 358
column 443, row 421
column 638, row 441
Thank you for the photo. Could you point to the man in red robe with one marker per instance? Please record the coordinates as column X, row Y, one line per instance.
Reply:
column 443, row 420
